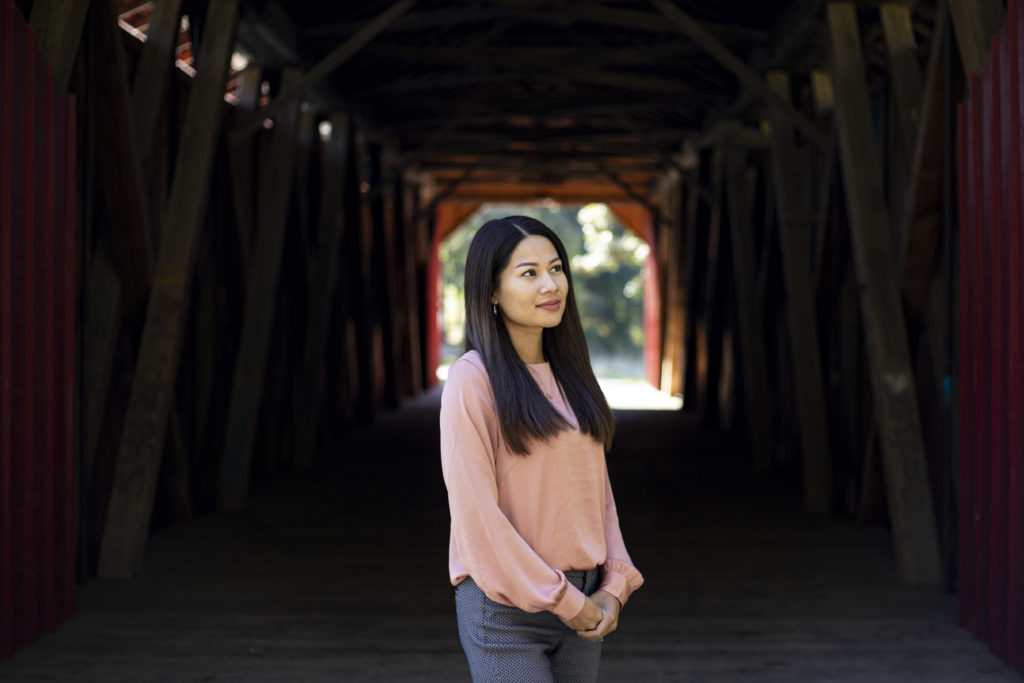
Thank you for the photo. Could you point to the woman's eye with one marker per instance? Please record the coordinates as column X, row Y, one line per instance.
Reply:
column 557, row 268
column 529, row 272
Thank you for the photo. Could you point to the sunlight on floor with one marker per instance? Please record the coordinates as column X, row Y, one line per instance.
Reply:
column 622, row 394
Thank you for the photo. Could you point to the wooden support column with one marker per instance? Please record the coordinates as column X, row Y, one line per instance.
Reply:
column 795, row 248
column 714, row 298
column 242, row 161
column 975, row 22
column 58, row 30
column 693, row 329
column 387, row 284
column 145, row 424
column 369, row 353
column 102, row 326
column 892, row 377
column 156, row 65
column 756, row 391
column 905, row 87
column 322, row 289
column 922, row 207
column 675, row 309
column 251, row 362
column 119, row 165
column 413, row 292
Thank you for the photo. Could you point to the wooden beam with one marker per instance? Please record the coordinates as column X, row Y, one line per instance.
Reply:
column 322, row 288
column 751, row 325
column 906, row 90
column 156, row 64
column 101, row 331
column 119, row 165
column 975, row 22
column 335, row 59
column 795, row 224
column 258, row 318
column 145, row 423
column 58, row 31
column 892, row 376
column 922, row 211
column 698, row 34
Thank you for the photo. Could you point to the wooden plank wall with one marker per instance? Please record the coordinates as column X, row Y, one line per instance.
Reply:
column 37, row 330
column 991, row 353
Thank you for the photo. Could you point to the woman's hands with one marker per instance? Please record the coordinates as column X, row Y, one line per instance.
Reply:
column 588, row 618
column 609, row 607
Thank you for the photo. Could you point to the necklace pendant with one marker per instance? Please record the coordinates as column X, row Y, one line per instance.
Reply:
column 547, row 394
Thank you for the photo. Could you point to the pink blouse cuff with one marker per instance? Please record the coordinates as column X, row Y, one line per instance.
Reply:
column 615, row 584
column 571, row 603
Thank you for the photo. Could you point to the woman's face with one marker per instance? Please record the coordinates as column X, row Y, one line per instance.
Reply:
column 532, row 288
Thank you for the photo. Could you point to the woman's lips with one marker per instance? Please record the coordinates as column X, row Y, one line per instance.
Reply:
column 551, row 305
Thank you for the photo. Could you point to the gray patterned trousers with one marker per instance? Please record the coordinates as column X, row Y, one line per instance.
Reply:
column 507, row 645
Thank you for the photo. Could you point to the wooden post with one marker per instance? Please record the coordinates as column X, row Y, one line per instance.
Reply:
column 119, row 165
column 102, row 326
column 58, row 30
column 156, row 65
column 322, row 289
column 694, row 267
column 241, row 161
column 145, row 424
column 922, row 210
column 251, row 363
column 714, row 300
column 905, row 87
column 892, row 377
column 413, row 293
column 751, row 326
column 675, row 313
column 794, row 243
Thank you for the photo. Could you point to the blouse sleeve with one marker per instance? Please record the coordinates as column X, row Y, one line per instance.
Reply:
column 501, row 563
column 618, row 575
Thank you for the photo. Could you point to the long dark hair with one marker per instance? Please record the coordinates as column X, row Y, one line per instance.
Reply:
column 524, row 412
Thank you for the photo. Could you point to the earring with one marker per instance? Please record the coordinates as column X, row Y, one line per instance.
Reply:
column 494, row 310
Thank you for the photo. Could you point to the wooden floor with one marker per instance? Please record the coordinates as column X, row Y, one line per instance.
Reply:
column 341, row 575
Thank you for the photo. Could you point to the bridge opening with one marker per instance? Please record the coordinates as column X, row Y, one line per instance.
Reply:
column 611, row 268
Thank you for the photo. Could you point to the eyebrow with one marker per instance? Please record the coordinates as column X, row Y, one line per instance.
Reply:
column 531, row 263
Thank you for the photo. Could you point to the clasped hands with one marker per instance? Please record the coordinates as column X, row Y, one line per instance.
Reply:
column 598, row 618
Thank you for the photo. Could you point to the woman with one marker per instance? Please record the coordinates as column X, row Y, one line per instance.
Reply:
column 536, row 554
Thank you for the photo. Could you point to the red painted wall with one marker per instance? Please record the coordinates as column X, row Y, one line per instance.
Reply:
column 36, row 341
column 991, row 591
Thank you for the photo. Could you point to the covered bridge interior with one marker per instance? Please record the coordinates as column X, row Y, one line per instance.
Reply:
column 219, row 227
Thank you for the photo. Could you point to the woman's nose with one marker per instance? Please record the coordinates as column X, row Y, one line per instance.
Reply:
column 548, row 283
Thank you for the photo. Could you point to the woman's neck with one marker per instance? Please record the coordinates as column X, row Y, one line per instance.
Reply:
column 528, row 345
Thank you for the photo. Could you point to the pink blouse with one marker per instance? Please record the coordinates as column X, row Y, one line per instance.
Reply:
column 519, row 522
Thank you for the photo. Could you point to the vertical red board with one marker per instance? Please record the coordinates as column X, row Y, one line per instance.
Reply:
column 995, row 226
column 68, row 384
column 980, row 317
column 966, row 373
column 45, row 361
column 1015, row 247
column 29, row 353
column 6, row 126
